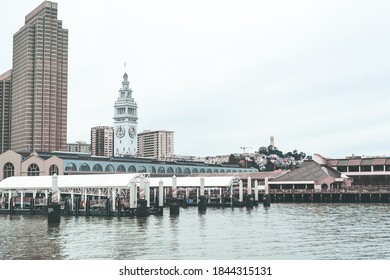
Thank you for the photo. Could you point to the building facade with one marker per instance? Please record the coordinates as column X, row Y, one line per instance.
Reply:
column 125, row 122
column 36, row 164
column 15, row 164
column 5, row 111
column 365, row 172
column 79, row 147
column 156, row 144
column 102, row 141
column 39, row 82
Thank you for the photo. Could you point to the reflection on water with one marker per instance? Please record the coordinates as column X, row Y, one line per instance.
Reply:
column 283, row 231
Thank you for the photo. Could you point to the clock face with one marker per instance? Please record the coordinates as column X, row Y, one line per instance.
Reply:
column 120, row 131
column 132, row 131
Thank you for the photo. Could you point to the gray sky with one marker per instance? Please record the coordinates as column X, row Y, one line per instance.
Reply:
column 229, row 74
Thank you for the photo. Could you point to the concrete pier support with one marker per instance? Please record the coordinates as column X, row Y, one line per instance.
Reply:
column 174, row 207
column 119, row 203
column 267, row 197
column 249, row 186
column 133, row 195
column 147, row 192
column 32, row 205
column 54, row 208
column 141, row 188
column 11, row 205
column 88, row 206
column 202, row 203
column 240, row 193
column 108, row 208
column 174, row 187
column 54, row 213
column 142, row 208
column 77, row 211
column 249, row 199
column 160, row 197
column 67, row 206
column 256, row 191
column 202, row 200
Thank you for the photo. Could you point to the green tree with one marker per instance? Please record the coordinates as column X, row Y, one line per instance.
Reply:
column 233, row 159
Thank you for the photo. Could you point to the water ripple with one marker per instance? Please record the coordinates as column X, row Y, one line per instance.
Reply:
column 283, row 231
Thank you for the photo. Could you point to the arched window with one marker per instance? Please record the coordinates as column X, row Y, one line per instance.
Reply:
column 8, row 170
column 121, row 169
column 161, row 170
column 97, row 168
column 195, row 170
column 178, row 170
column 216, row 171
column 53, row 170
column 209, row 170
column 109, row 168
column 202, row 170
column 33, row 170
column 70, row 167
column 152, row 169
column 222, row 171
column 85, row 167
column 187, row 171
column 132, row 169
column 170, row 170
column 142, row 169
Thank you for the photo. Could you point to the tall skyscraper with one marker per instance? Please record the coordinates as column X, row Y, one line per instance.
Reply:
column 39, row 82
column 5, row 111
column 102, row 141
column 156, row 144
column 125, row 122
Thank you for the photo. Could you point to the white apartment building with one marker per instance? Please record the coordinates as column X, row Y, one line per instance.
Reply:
column 156, row 144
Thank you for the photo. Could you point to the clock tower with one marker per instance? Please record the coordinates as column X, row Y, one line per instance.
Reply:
column 125, row 122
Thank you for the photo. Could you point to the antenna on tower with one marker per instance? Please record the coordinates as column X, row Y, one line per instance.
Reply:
column 125, row 65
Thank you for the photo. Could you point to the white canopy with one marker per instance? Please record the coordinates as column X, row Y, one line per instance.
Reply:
column 107, row 181
column 209, row 182
column 68, row 181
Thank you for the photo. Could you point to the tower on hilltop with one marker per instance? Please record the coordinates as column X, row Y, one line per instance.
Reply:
column 125, row 122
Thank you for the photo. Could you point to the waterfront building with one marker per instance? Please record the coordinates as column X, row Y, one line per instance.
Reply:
column 79, row 147
column 366, row 172
column 15, row 164
column 125, row 122
column 24, row 164
column 5, row 111
column 39, row 82
column 102, row 138
column 311, row 175
column 156, row 144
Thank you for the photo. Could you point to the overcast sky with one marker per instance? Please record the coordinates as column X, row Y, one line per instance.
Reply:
column 229, row 74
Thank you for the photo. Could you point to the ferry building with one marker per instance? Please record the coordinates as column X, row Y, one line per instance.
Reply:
column 64, row 163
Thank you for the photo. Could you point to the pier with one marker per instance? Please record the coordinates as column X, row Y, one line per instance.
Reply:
column 330, row 196
column 140, row 195
column 115, row 194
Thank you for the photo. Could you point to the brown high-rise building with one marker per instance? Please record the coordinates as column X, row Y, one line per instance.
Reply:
column 5, row 111
column 102, row 141
column 39, row 82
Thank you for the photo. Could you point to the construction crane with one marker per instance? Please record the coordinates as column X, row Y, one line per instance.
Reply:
column 243, row 148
